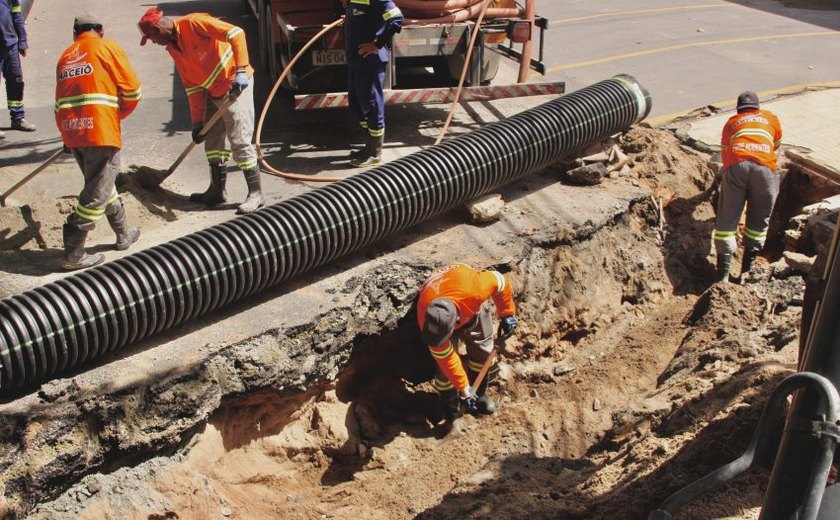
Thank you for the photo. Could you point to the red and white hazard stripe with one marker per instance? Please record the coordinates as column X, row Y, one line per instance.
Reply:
column 435, row 95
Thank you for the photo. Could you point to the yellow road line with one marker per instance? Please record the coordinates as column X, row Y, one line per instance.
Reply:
column 616, row 57
column 639, row 11
column 790, row 89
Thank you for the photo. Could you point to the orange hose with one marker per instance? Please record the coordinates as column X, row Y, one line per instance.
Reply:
column 463, row 72
column 267, row 167
column 525, row 62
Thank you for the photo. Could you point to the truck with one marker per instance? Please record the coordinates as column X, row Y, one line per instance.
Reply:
column 435, row 44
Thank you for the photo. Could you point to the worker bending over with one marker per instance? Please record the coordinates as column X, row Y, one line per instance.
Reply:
column 211, row 57
column 95, row 89
column 749, row 142
column 454, row 304
column 369, row 26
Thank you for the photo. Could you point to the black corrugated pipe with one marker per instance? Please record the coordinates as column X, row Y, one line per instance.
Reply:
column 64, row 325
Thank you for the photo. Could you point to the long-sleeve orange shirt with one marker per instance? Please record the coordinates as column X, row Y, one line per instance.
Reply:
column 207, row 53
column 468, row 289
column 752, row 135
column 95, row 88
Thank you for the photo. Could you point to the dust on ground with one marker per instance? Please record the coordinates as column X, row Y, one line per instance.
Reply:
column 605, row 408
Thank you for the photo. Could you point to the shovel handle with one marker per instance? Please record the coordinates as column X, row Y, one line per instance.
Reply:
column 229, row 100
column 484, row 368
column 29, row 177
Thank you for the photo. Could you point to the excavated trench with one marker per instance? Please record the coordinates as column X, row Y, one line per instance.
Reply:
column 335, row 418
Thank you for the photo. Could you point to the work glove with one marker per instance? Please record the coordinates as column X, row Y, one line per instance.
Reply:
column 507, row 326
column 196, row 131
column 240, row 83
column 469, row 401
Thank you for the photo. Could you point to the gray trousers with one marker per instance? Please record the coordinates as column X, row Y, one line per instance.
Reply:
column 753, row 184
column 237, row 124
column 477, row 336
column 99, row 197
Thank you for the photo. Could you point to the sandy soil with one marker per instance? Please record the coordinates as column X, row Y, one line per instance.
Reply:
column 604, row 410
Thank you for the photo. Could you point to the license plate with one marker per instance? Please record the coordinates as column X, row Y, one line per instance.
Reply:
column 328, row 57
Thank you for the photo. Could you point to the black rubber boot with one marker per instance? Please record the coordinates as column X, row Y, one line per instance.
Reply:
column 450, row 403
column 748, row 260
column 215, row 193
column 724, row 263
column 74, row 250
column 372, row 154
column 486, row 405
column 125, row 235
column 254, row 200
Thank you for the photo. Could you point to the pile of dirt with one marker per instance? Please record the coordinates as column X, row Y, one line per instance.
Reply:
column 629, row 378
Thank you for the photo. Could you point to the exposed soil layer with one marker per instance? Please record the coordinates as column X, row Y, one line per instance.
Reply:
column 630, row 376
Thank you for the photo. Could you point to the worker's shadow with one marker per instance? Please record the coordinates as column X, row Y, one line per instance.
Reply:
column 161, row 201
column 383, row 382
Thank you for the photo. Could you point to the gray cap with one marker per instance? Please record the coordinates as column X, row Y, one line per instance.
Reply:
column 747, row 99
column 439, row 324
column 86, row 19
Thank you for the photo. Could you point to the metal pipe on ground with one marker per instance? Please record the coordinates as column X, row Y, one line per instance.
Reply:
column 62, row 326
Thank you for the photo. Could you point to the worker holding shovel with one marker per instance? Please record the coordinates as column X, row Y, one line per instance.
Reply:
column 95, row 89
column 211, row 57
column 455, row 304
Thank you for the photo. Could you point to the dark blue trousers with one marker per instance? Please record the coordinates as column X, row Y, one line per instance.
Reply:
column 366, row 77
column 13, row 74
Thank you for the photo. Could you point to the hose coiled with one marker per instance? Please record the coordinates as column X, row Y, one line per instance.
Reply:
column 67, row 324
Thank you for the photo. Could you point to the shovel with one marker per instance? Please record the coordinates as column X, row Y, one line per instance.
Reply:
column 501, row 339
column 54, row 157
column 151, row 178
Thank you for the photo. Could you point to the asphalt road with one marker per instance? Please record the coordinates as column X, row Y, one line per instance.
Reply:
column 689, row 54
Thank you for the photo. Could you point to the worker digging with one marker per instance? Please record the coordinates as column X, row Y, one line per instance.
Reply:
column 454, row 306
column 211, row 57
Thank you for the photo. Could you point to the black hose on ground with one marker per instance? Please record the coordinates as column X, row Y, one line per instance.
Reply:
column 67, row 324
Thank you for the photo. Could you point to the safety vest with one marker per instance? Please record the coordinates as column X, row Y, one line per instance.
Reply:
column 753, row 136
column 95, row 88
column 207, row 53
column 468, row 289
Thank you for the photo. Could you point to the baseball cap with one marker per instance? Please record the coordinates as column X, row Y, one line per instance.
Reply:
column 148, row 21
column 86, row 19
column 439, row 324
column 747, row 99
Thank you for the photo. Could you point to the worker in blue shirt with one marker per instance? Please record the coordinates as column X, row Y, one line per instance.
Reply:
column 13, row 45
column 369, row 26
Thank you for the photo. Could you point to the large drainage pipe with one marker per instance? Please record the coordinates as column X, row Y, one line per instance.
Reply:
column 66, row 324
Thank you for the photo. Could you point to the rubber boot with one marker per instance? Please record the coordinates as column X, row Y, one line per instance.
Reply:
column 486, row 405
column 125, row 235
column 254, row 199
column 23, row 125
column 372, row 153
column 215, row 193
column 75, row 256
column 450, row 404
column 125, row 239
column 748, row 260
column 724, row 263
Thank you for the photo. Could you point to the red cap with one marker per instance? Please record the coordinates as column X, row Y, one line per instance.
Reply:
column 148, row 21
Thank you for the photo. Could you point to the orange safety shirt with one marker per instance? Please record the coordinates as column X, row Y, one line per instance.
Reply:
column 752, row 135
column 207, row 53
column 468, row 289
column 95, row 88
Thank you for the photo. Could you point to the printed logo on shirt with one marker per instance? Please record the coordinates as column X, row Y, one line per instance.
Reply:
column 751, row 147
column 74, row 70
column 78, row 124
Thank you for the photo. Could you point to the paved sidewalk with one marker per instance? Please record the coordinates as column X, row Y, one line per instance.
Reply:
column 809, row 121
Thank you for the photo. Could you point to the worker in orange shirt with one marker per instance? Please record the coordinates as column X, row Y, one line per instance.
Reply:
column 211, row 57
column 749, row 142
column 95, row 89
column 455, row 304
